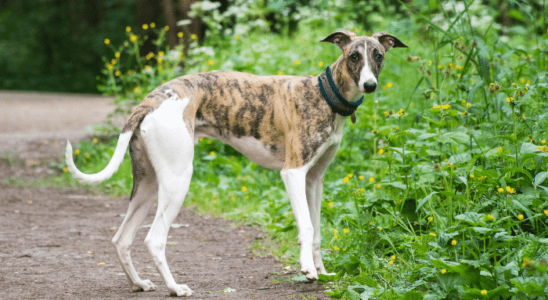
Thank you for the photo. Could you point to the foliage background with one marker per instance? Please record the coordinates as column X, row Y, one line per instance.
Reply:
column 437, row 192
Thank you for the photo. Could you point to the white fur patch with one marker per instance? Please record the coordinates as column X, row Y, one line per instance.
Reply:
column 365, row 74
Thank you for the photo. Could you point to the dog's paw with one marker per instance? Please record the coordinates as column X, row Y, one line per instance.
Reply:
column 310, row 273
column 143, row 286
column 180, row 290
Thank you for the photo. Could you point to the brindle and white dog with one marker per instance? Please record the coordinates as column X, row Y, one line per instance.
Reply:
column 289, row 123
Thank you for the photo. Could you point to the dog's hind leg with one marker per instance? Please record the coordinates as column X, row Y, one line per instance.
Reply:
column 171, row 149
column 145, row 191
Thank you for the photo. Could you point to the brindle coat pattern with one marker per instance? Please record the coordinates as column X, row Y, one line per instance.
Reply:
column 287, row 114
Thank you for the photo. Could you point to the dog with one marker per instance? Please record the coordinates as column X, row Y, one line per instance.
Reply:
column 289, row 123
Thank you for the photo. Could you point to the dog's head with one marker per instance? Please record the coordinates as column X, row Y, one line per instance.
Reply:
column 363, row 56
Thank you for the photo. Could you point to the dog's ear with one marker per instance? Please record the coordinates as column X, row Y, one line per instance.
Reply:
column 388, row 41
column 340, row 38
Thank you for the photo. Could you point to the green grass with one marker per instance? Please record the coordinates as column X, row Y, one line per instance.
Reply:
column 438, row 191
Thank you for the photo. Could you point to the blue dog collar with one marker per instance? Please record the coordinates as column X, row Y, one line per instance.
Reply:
column 334, row 98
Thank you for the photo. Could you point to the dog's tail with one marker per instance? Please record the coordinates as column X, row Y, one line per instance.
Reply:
column 106, row 173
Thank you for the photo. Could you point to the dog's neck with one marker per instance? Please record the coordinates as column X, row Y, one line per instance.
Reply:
column 344, row 82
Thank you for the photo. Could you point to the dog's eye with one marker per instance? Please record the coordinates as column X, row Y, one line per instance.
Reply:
column 378, row 57
column 354, row 57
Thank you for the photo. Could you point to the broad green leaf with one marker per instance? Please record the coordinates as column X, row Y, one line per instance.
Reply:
column 413, row 295
column 473, row 91
column 539, row 178
column 396, row 184
column 471, row 218
column 466, row 271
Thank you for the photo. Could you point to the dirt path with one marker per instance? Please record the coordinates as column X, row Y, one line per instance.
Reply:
column 55, row 244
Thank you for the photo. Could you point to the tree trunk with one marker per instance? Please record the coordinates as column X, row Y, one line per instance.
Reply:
column 169, row 14
column 192, row 28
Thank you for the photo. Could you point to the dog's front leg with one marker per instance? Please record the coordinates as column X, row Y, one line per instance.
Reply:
column 295, row 184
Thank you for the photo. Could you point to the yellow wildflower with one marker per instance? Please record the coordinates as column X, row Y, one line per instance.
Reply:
column 212, row 153
column 335, row 231
column 297, row 62
column 391, row 262
column 77, row 151
column 336, row 248
column 128, row 29
column 330, row 204
column 107, row 41
column 446, row 106
column 454, row 242
column 501, row 190
column 378, row 186
column 109, row 66
column 546, row 212
column 350, row 175
column 361, row 177
column 471, row 175
column 133, row 37
column 443, row 271
column 346, row 179
column 393, row 257
column 244, row 189
column 520, row 217
column 436, row 107
column 180, row 34
column 152, row 25
column 483, row 292
column 65, row 170
column 117, row 54
column 237, row 37
column 95, row 140
column 346, row 230
column 430, row 219
column 500, row 150
column 380, row 228
column 145, row 26
column 166, row 28
column 510, row 99
column 137, row 89
column 233, row 199
column 280, row 73
column 336, row 237
column 210, row 62
column 432, row 234
column 371, row 179
column 381, row 151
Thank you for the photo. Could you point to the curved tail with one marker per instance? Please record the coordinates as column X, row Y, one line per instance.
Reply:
column 106, row 173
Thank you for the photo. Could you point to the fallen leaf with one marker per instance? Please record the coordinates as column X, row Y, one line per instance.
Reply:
column 90, row 252
column 29, row 202
column 114, row 229
column 175, row 225
column 101, row 264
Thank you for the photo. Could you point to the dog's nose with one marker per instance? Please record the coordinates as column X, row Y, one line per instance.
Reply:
column 370, row 86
